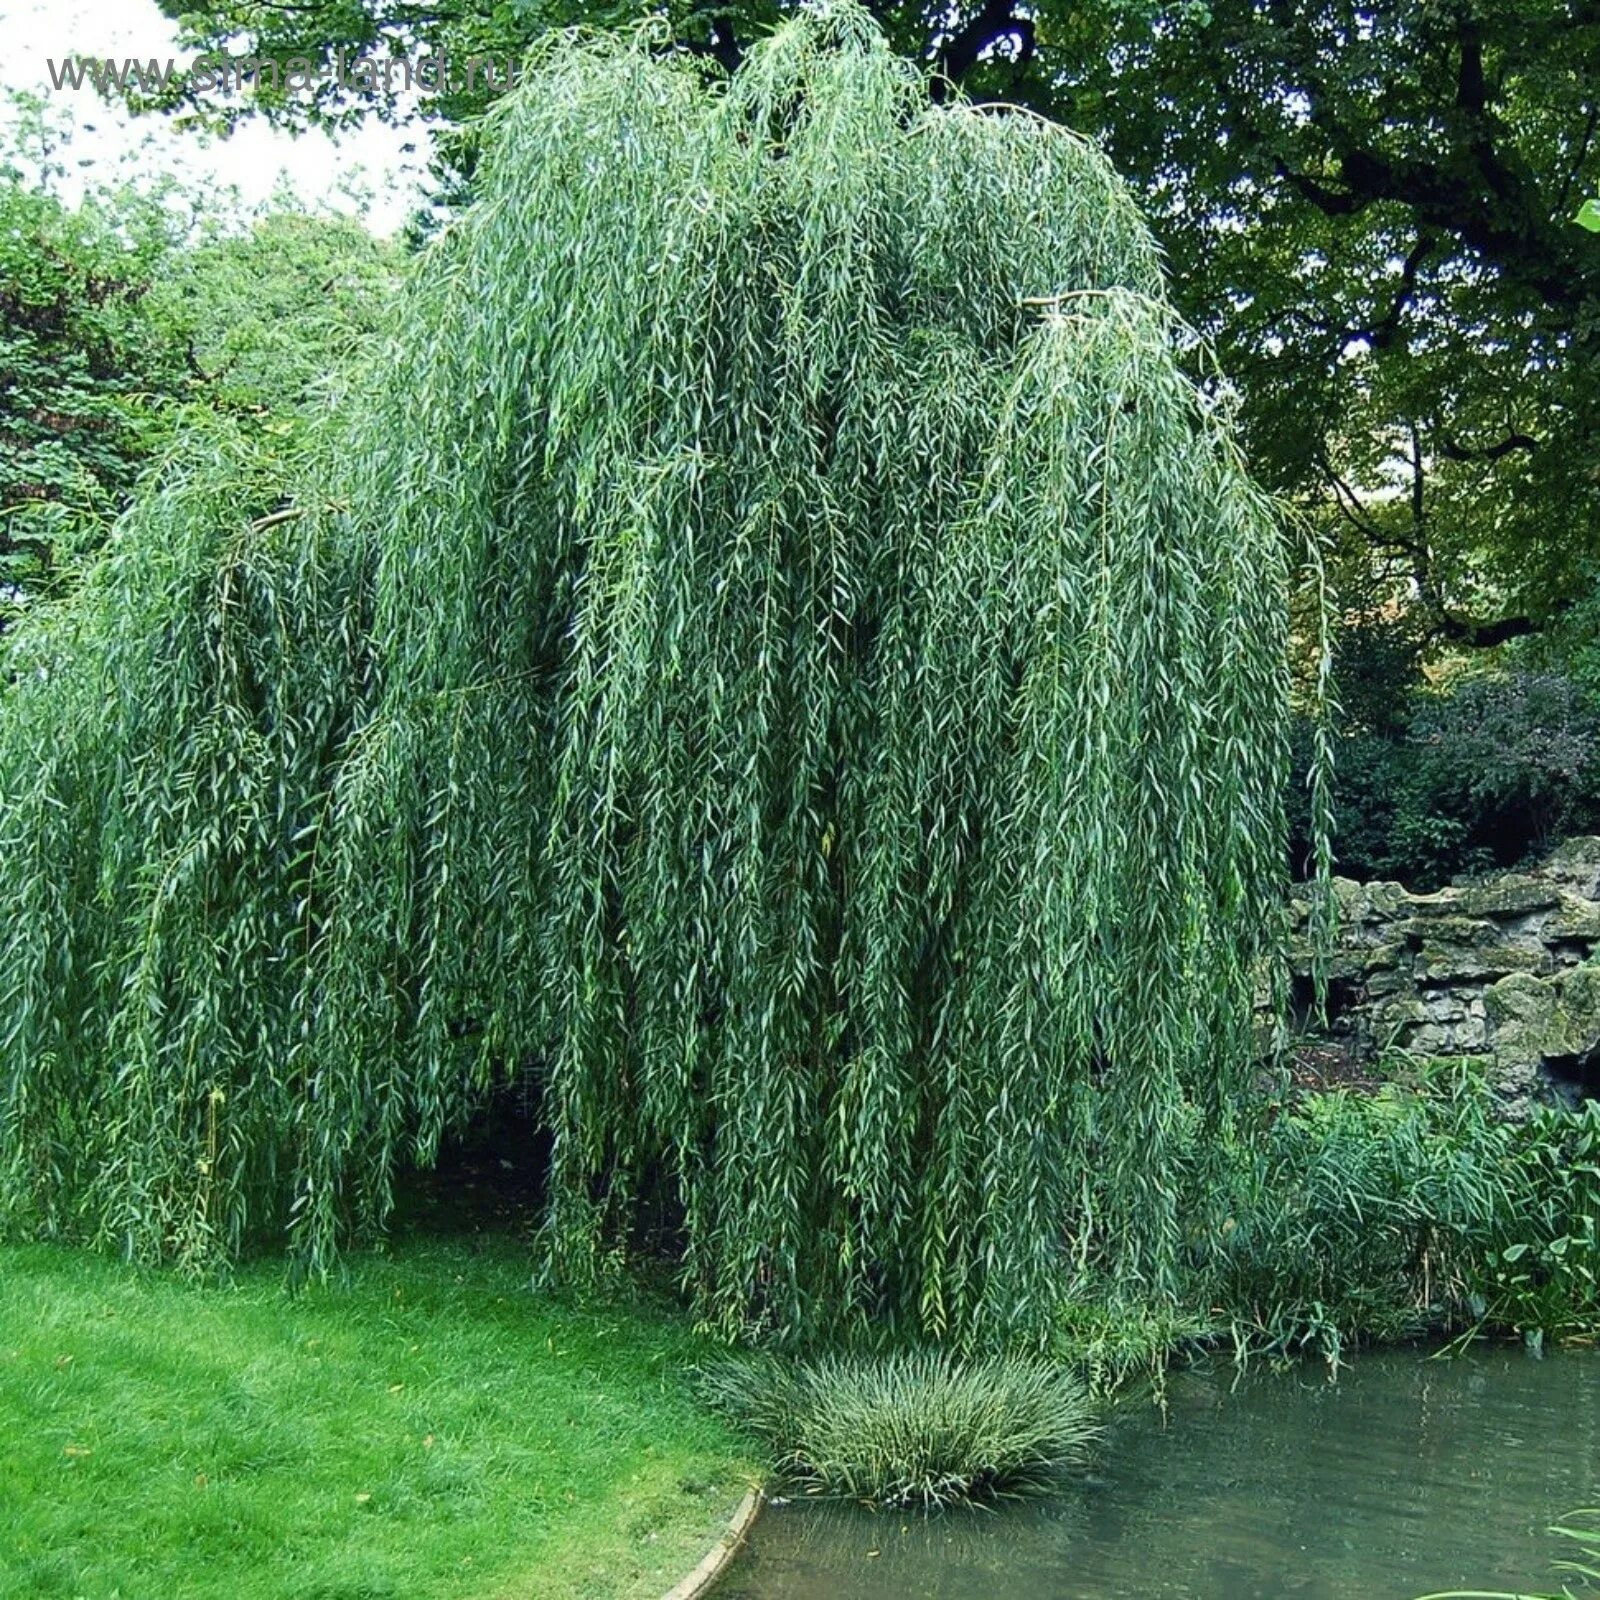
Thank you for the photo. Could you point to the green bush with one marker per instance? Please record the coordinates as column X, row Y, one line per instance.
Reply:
column 1353, row 1219
column 1537, row 1271
column 1113, row 1341
column 1365, row 1219
column 912, row 1428
column 1346, row 1221
column 1491, row 773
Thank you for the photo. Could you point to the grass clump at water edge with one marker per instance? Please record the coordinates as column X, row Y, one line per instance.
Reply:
column 914, row 1428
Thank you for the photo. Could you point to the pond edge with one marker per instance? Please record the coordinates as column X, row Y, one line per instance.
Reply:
column 720, row 1556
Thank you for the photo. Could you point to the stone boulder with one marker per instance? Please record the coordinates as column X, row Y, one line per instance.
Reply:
column 1507, row 968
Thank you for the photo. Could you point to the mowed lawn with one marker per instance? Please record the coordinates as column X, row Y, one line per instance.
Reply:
column 430, row 1428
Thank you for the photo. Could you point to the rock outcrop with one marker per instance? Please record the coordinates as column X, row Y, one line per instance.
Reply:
column 1507, row 968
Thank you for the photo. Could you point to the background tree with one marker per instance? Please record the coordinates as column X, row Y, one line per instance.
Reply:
column 272, row 314
column 127, row 313
column 83, row 369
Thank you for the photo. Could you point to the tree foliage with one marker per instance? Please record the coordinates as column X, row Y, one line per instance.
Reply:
column 271, row 316
column 1487, row 772
column 81, row 371
column 782, row 661
column 127, row 309
column 1366, row 206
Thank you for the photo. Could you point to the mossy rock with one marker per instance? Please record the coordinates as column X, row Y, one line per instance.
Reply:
column 1535, row 1019
column 1449, row 963
column 1451, row 930
column 1576, row 919
column 1514, row 895
column 1432, row 907
column 1582, row 850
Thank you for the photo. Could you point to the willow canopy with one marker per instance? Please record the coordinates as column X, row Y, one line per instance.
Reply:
column 780, row 660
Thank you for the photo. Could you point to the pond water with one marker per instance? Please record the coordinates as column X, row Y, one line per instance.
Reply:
column 1405, row 1476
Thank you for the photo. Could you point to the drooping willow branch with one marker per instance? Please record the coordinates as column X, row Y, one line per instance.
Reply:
column 740, row 668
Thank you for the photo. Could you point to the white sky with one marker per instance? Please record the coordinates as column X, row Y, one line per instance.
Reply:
column 254, row 160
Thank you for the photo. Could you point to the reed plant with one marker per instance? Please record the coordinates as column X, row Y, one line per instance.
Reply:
column 1418, row 1211
column 1582, row 1567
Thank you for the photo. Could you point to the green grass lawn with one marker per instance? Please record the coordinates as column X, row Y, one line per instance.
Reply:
column 431, row 1429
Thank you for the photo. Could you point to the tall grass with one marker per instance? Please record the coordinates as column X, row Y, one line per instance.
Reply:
column 1416, row 1211
column 911, row 1428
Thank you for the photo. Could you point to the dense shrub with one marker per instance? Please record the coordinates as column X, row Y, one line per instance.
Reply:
column 1485, row 775
column 1415, row 1211
column 913, row 1428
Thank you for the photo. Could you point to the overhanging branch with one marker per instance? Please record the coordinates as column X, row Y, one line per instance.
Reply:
column 1456, row 451
column 1486, row 635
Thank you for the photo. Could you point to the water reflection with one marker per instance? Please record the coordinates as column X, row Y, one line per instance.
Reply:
column 1407, row 1475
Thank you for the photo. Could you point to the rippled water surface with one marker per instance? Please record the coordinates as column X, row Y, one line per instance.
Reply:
column 1407, row 1475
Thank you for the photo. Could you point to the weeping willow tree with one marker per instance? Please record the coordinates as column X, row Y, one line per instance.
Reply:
column 780, row 659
